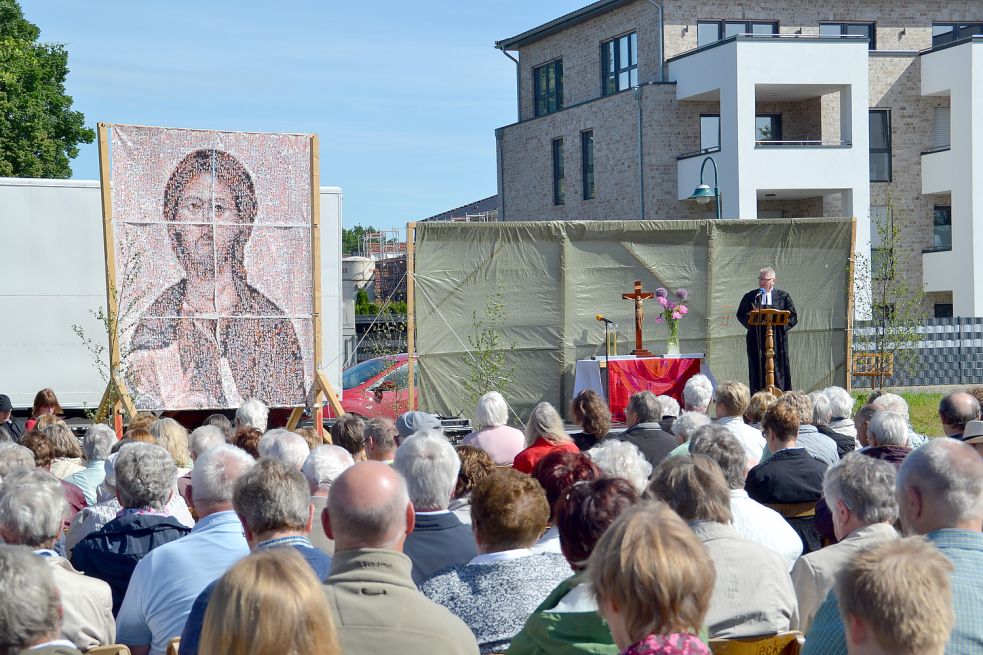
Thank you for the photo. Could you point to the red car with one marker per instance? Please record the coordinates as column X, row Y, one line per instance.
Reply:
column 376, row 387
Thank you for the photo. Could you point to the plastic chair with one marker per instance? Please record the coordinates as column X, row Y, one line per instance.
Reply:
column 111, row 649
column 784, row 643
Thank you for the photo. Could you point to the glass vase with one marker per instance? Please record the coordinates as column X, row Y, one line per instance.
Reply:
column 672, row 339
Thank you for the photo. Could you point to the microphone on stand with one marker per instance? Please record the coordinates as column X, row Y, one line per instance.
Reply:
column 600, row 317
column 761, row 296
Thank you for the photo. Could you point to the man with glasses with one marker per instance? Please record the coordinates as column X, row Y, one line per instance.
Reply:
column 767, row 296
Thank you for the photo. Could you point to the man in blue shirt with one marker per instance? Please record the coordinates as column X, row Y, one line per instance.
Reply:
column 166, row 582
column 273, row 502
column 940, row 495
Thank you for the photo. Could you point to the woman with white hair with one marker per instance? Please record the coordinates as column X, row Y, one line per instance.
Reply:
column 841, row 405
column 493, row 436
column 684, row 427
column 544, row 434
column 620, row 459
column 321, row 468
column 96, row 446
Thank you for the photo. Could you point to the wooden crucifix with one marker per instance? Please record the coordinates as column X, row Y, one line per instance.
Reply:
column 638, row 296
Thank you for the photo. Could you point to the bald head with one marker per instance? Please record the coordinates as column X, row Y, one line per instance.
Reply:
column 956, row 410
column 940, row 485
column 368, row 507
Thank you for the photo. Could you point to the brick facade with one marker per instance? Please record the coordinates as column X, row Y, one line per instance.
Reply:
column 671, row 128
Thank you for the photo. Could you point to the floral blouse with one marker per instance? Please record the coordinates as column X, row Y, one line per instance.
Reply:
column 677, row 643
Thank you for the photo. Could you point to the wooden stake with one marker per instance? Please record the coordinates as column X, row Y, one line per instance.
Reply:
column 410, row 314
column 316, row 279
column 112, row 299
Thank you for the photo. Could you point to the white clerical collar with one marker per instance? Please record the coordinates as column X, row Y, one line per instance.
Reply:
column 501, row 556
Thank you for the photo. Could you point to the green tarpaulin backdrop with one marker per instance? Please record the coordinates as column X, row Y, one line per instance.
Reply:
column 555, row 276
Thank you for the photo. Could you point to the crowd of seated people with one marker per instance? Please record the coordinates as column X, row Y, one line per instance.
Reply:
column 778, row 518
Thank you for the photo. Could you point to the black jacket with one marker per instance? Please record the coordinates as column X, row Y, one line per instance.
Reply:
column 654, row 442
column 112, row 553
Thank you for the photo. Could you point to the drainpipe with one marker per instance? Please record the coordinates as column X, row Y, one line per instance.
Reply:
column 518, row 101
column 662, row 40
column 637, row 92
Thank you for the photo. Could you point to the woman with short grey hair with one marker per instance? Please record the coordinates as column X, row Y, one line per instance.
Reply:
column 284, row 446
column 97, row 446
column 544, row 434
column 92, row 518
column 621, row 459
column 841, row 404
column 145, row 476
column 684, row 429
column 493, row 436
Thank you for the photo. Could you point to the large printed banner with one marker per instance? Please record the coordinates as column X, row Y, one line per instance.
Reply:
column 213, row 266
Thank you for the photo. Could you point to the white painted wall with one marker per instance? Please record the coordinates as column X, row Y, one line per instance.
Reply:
column 731, row 71
column 52, row 273
column 958, row 72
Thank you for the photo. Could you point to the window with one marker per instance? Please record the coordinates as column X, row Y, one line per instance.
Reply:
column 880, row 145
column 941, row 126
column 855, row 29
column 711, row 31
column 942, row 227
column 548, row 91
column 943, row 310
column 587, row 164
column 557, row 171
column 619, row 64
column 943, row 33
column 767, row 127
column 709, row 132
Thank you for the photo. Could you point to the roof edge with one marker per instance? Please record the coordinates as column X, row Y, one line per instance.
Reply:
column 561, row 23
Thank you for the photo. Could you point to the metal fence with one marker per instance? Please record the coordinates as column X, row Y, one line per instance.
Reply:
column 950, row 352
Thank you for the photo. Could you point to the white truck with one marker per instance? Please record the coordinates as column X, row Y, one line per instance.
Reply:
column 53, row 276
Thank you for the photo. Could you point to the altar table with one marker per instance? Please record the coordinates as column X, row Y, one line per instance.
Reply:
column 630, row 374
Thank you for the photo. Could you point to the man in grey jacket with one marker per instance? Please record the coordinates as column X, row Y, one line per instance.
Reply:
column 377, row 607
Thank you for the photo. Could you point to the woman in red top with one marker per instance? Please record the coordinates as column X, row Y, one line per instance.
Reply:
column 45, row 402
column 544, row 434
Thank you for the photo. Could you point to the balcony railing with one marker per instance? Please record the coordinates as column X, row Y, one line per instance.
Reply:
column 806, row 143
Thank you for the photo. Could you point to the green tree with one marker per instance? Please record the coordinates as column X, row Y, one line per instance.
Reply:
column 489, row 370
column 39, row 131
column 896, row 301
column 351, row 239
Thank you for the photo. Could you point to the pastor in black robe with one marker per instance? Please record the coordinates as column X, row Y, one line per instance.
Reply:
column 755, row 340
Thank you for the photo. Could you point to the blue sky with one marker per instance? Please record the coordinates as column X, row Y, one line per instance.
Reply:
column 404, row 95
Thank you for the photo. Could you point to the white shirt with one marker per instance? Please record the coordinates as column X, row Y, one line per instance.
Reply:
column 549, row 542
column 764, row 526
column 751, row 438
column 501, row 556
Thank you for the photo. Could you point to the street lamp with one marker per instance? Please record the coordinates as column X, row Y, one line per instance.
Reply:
column 703, row 192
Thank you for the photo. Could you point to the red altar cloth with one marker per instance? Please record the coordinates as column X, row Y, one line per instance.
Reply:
column 659, row 375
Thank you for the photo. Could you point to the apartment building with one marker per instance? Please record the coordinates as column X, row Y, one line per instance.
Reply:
column 806, row 108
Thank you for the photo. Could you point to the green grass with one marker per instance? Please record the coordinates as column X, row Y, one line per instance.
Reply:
column 923, row 410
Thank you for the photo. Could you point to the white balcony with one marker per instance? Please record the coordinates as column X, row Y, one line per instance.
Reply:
column 953, row 73
column 800, row 78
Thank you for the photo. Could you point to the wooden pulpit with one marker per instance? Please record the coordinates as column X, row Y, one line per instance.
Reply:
column 769, row 319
